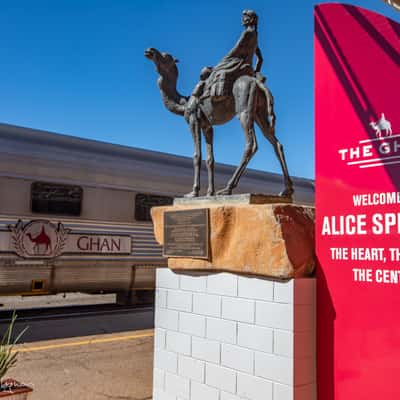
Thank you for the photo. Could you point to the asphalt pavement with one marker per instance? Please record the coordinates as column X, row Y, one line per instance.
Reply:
column 74, row 321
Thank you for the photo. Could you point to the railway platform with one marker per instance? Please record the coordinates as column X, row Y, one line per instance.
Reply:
column 103, row 367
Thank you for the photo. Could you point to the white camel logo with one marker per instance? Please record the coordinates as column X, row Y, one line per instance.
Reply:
column 381, row 125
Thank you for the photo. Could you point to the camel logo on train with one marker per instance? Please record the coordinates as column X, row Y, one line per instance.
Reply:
column 38, row 238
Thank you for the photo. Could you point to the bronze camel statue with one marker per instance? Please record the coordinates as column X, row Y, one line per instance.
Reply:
column 249, row 99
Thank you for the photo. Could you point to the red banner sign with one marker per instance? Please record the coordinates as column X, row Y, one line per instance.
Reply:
column 357, row 89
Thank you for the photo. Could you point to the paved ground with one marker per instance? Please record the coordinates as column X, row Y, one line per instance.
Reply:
column 103, row 367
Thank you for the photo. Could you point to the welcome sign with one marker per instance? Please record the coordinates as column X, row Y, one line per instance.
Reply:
column 357, row 90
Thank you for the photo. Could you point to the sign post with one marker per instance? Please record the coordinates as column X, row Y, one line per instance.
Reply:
column 357, row 59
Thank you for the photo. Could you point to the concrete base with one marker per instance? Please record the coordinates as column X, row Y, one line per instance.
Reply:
column 223, row 336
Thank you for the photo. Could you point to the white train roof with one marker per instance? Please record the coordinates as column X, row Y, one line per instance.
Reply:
column 36, row 154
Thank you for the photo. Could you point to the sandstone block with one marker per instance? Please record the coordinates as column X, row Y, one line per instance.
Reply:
column 273, row 240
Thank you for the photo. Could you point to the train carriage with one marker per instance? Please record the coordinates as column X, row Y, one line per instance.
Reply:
column 75, row 213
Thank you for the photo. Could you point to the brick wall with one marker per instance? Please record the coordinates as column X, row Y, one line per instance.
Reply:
column 228, row 337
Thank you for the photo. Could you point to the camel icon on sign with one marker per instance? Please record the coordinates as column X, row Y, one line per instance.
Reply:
column 382, row 125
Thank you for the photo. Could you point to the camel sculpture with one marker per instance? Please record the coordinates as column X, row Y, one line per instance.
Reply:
column 249, row 101
column 232, row 87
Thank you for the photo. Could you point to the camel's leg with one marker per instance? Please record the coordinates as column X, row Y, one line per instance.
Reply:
column 245, row 104
column 209, row 136
column 195, row 130
column 268, row 133
column 247, row 122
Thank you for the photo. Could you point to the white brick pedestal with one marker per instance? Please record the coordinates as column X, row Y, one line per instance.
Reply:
column 230, row 337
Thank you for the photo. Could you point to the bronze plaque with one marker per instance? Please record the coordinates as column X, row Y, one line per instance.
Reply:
column 186, row 233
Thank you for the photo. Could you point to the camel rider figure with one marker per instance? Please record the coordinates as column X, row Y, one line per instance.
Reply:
column 238, row 62
column 192, row 107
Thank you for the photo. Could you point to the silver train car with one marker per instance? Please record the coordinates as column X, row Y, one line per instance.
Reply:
column 75, row 213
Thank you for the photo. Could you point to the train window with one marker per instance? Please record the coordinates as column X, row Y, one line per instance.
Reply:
column 54, row 198
column 144, row 202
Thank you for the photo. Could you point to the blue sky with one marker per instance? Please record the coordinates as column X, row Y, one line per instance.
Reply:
column 77, row 67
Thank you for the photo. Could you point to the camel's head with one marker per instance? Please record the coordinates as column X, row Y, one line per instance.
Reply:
column 165, row 63
column 249, row 18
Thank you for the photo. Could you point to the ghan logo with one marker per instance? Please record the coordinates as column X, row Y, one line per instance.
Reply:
column 99, row 244
column 380, row 151
column 42, row 239
column 38, row 239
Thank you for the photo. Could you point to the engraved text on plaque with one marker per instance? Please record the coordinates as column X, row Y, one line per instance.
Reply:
column 186, row 233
